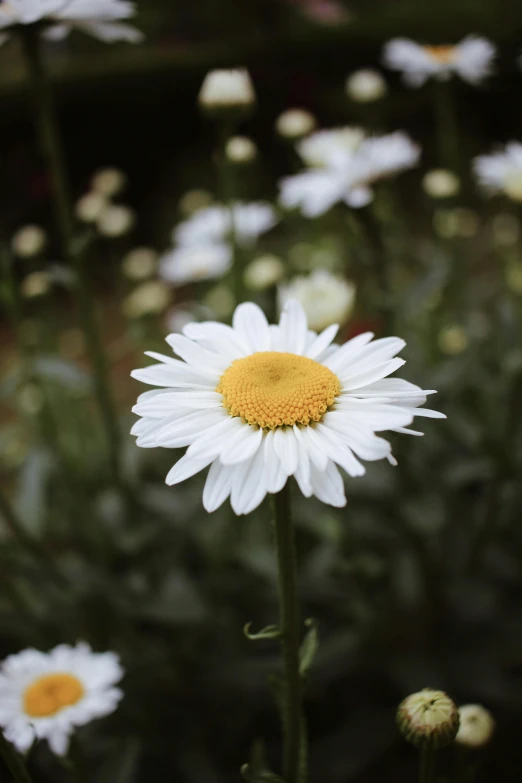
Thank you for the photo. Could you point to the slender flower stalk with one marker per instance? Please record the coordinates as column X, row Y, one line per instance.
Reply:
column 427, row 764
column 47, row 126
column 14, row 762
column 294, row 762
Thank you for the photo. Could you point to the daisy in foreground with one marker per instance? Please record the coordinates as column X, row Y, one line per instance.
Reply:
column 261, row 403
column 471, row 59
column 100, row 18
column 46, row 695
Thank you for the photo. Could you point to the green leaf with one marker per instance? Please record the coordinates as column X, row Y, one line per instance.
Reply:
column 309, row 647
column 268, row 632
column 259, row 777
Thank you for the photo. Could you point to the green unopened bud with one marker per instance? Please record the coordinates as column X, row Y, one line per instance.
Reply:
column 428, row 718
column 476, row 726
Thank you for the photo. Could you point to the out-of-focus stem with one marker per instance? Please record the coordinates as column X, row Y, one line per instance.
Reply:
column 229, row 196
column 427, row 765
column 14, row 762
column 47, row 125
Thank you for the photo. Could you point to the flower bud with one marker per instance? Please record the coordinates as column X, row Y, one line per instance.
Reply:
column 240, row 149
column 440, row 183
column 428, row 718
column 453, row 340
column 194, row 200
column 326, row 298
column 149, row 298
column 227, row 92
column 476, row 726
column 295, row 123
column 109, row 182
column 28, row 241
column 35, row 284
column 140, row 263
column 365, row 86
column 263, row 272
column 115, row 221
column 90, row 206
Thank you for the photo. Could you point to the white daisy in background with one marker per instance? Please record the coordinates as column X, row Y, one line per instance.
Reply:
column 326, row 298
column 226, row 89
column 295, row 123
column 366, row 86
column 203, row 247
column 471, row 59
column 46, row 695
column 260, row 403
column 100, row 18
column 501, row 172
column 347, row 164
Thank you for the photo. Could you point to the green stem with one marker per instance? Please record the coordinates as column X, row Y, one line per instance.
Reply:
column 47, row 125
column 293, row 722
column 427, row 765
column 372, row 230
column 13, row 761
column 229, row 196
column 448, row 142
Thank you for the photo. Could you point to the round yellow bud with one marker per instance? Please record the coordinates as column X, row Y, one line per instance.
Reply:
column 476, row 726
column 428, row 718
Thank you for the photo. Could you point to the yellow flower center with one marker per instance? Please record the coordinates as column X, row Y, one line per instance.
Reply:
column 49, row 694
column 273, row 389
column 443, row 54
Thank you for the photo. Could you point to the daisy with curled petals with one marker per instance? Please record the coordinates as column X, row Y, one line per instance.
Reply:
column 471, row 59
column 100, row 18
column 260, row 403
column 344, row 165
column 47, row 695
column 501, row 172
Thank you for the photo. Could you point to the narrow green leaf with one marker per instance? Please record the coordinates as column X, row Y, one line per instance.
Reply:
column 309, row 647
column 269, row 632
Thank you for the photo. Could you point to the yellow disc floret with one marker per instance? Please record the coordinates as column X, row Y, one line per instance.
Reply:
column 51, row 693
column 443, row 54
column 272, row 389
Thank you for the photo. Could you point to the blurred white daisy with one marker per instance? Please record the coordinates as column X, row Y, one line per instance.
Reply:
column 501, row 172
column 366, row 86
column 227, row 89
column 260, row 403
column 202, row 243
column 471, row 59
column 100, row 18
column 347, row 165
column 295, row 123
column 46, row 695
column 326, row 298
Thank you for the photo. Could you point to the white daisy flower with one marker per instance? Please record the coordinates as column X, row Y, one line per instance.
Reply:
column 326, row 298
column 189, row 264
column 347, row 170
column 501, row 172
column 328, row 147
column 471, row 59
column 214, row 224
column 46, row 695
column 100, row 18
column 260, row 403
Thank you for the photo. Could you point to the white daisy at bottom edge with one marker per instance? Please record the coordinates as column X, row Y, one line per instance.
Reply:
column 47, row 695
column 259, row 403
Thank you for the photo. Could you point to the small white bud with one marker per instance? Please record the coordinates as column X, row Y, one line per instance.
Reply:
column 227, row 89
column 326, row 298
column 365, row 86
column 35, row 284
column 263, row 272
column 428, row 718
column 240, row 149
column 295, row 123
column 115, row 221
column 476, row 726
column 90, row 206
column 140, row 263
column 441, row 183
column 109, row 182
column 149, row 298
column 453, row 340
column 28, row 241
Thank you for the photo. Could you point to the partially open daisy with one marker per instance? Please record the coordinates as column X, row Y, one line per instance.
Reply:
column 100, row 18
column 260, row 403
column 501, row 171
column 46, row 695
column 471, row 59
column 344, row 164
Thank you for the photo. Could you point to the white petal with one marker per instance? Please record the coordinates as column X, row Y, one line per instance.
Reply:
column 307, row 439
column 293, row 328
column 374, row 416
column 58, row 740
column 187, row 467
column 250, row 323
column 249, row 485
column 218, row 485
column 351, row 382
column 338, row 451
column 180, row 377
column 286, row 448
column 213, row 439
column 275, row 475
column 348, row 351
column 328, row 485
column 199, row 359
column 241, row 446
column 322, row 341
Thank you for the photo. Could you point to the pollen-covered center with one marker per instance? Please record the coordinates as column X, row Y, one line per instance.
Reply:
column 273, row 389
column 51, row 693
column 443, row 54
